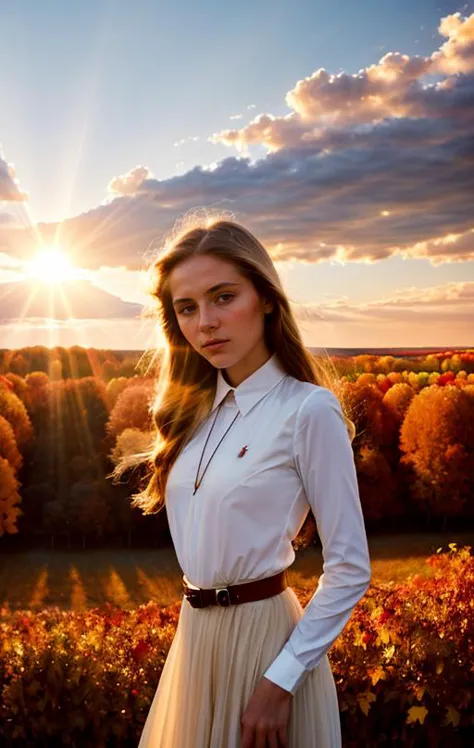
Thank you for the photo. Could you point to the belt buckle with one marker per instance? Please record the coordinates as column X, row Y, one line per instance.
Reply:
column 223, row 594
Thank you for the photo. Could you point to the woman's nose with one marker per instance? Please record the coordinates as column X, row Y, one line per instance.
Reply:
column 207, row 318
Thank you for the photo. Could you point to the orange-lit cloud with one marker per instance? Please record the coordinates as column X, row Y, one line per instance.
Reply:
column 365, row 167
column 393, row 87
column 457, row 54
column 448, row 303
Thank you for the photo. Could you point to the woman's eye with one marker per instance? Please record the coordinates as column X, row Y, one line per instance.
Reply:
column 230, row 295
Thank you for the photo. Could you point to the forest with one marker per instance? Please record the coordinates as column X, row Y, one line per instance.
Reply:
column 67, row 415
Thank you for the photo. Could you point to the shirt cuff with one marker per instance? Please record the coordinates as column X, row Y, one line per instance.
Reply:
column 286, row 671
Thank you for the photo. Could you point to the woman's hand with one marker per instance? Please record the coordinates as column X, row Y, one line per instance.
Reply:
column 265, row 720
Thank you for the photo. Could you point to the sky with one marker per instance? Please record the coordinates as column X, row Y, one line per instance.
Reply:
column 339, row 133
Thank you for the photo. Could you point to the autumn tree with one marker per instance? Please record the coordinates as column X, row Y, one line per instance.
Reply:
column 132, row 409
column 374, row 422
column 131, row 441
column 375, row 448
column 10, row 499
column 36, row 397
column 377, row 485
column 109, row 370
column 18, row 385
column 115, row 388
column 8, row 447
column 14, row 411
column 92, row 394
column 397, row 399
column 19, row 364
column 437, row 439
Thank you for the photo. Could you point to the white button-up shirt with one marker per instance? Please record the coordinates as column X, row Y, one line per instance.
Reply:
column 239, row 525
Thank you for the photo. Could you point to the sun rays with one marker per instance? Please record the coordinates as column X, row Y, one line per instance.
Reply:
column 51, row 265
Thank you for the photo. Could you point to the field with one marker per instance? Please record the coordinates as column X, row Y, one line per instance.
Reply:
column 75, row 580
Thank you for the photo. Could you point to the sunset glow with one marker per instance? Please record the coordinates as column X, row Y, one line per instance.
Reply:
column 348, row 157
column 51, row 265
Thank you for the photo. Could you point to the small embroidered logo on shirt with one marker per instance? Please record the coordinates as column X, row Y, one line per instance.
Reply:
column 243, row 451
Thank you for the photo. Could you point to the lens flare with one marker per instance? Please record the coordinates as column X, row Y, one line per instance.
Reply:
column 51, row 265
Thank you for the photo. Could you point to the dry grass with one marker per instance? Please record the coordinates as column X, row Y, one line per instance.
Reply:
column 77, row 580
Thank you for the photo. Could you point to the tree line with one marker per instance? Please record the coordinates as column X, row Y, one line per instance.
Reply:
column 61, row 435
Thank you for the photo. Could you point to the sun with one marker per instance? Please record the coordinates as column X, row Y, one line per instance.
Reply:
column 51, row 265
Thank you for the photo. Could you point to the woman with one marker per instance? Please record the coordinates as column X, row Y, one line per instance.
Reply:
column 250, row 437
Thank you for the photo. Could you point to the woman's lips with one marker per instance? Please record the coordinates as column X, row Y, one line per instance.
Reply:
column 215, row 346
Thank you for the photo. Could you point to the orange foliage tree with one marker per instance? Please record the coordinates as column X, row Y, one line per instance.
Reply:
column 17, row 383
column 36, row 396
column 115, row 388
column 397, row 399
column 437, row 439
column 375, row 446
column 9, row 499
column 132, row 409
column 8, row 448
column 14, row 411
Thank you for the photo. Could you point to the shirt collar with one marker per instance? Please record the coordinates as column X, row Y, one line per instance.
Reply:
column 254, row 387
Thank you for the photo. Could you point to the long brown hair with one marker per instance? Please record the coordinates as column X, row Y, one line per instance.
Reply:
column 186, row 383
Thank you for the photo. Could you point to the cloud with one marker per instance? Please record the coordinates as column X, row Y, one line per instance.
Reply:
column 392, row 88
column 356, row 203
column 450, row 248
column 129, row 183
column 435, row 316
column 78, row 299
column 183, row 141
column 457, row 54
column 364, row 167
column 451, row 304
column 9, row 187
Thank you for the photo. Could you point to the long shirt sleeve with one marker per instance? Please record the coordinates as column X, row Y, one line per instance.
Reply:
column 324, row 460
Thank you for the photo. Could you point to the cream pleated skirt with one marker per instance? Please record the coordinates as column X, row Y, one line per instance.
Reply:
column 215, row 661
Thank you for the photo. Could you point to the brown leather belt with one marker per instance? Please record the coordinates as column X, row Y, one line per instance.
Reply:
column 236, row 593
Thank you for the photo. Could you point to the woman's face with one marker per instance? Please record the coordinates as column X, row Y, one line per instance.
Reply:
column 233, row 312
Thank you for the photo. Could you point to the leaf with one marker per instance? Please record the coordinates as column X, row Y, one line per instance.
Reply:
column 416, row 713
column 364, row 700
column 377, row 674
column 359, row 638
column 452, row 716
